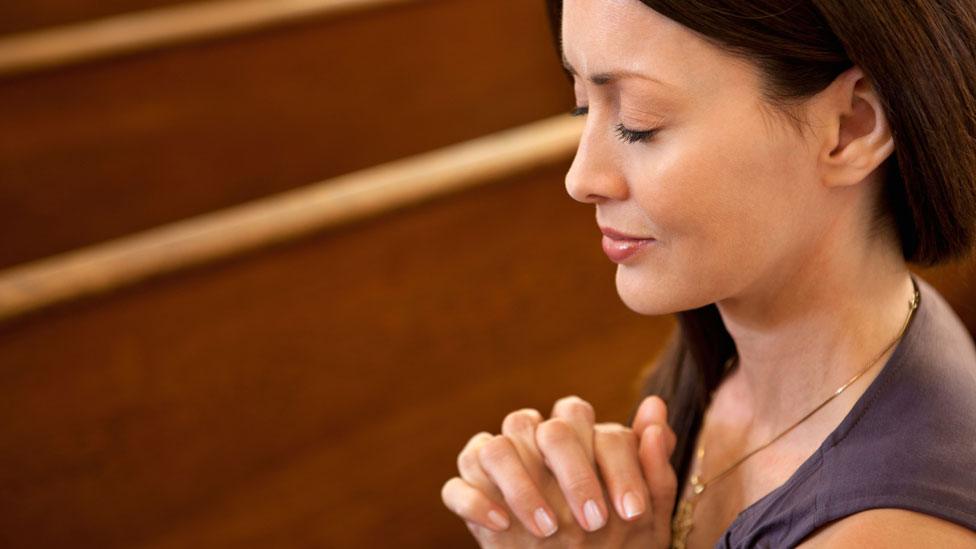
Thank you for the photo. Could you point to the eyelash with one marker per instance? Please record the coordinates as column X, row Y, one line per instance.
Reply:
column 627, row 135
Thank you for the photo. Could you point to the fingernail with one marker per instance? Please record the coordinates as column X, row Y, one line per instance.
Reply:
column 544, row 522
column 632, row 505
column 498, row 519
column 594, row 518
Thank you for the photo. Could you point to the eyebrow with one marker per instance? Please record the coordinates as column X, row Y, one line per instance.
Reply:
column 604, row 78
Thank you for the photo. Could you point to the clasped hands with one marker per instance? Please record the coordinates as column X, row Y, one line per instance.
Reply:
column 551, row 482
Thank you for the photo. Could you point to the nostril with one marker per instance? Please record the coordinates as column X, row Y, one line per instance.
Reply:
column 594, row 178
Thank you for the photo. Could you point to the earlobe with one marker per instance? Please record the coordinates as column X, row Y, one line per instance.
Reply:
column 859, row 138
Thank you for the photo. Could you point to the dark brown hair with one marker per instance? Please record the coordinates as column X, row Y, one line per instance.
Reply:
column 921, row 57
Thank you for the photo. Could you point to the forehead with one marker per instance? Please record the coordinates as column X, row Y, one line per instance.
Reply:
column 606, row 35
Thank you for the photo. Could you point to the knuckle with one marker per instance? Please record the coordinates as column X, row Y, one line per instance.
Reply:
column 652, row 406
column 523, row 496
column 581, row 485
column 615, row 436
column 467, row 461
column 447, row 491
column 611, row 427
column 554, row 432
column 658, row 401
column 478, row 439
column 615, row 432
column 521, row 420
column 571, row 399
column 573, row 405
column 495, row 451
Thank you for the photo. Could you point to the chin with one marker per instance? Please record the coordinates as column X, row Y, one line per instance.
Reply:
column 652, row 295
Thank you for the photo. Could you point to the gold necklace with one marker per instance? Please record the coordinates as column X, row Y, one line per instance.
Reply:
column 682, row 523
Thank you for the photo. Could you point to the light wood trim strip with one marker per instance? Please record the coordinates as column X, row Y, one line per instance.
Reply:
column 137, row 31
column 209, row 237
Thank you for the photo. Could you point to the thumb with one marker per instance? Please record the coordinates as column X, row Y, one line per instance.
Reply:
column 654, row 411
column 662, row 482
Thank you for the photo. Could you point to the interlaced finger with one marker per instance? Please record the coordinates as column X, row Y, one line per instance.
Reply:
column 501, row 461
column 579, row 414
column 469, row 467
column 576, row 474
column 615, row 447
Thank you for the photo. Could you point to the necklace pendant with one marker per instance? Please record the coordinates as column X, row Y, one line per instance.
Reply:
column 681, row 525
column 697, row 485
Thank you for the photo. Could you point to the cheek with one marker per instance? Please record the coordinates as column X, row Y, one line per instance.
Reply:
column 724, row 207
column 738, row 176
column 706, row 191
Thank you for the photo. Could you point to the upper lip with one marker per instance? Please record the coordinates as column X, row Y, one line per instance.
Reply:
column 617, row 235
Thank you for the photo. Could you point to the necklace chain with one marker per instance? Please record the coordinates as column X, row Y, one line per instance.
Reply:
column 682, row 523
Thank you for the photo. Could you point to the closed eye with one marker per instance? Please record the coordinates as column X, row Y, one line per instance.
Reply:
column 627, row 135
column 632, row 136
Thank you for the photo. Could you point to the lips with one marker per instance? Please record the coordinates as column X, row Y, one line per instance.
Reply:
column 618, row 235
column 620, row 246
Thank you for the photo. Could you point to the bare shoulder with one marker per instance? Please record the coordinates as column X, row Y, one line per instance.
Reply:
column 890, row 527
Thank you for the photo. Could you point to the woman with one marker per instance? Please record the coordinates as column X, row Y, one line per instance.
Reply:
column 765, row 170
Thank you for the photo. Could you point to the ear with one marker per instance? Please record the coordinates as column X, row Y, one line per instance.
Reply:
column 857, row 138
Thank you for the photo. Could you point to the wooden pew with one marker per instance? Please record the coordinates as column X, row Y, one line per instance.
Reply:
column 17, row 17
column 98, row 150
column 315, row 393
column 311, row 388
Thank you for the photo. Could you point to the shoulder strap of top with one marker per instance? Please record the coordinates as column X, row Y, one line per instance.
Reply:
column 907, row 443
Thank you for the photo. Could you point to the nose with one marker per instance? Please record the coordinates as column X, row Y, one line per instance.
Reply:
column 595, row 175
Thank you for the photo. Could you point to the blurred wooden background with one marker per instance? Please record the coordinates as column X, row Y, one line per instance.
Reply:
column 313, row 390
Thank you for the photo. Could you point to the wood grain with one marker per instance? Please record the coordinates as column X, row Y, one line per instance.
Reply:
column 19, row 17
column 224, row 233
column 95, row 152
column 159, row 27
column 314, row 394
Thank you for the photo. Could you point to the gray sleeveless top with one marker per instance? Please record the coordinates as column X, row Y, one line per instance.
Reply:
column 909, row 442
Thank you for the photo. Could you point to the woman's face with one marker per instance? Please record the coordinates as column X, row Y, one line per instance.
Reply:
column 729, row 192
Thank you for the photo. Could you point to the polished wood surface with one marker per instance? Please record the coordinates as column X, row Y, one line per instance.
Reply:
column 48, row 48
column 263, row 222
column 17, row 17
column 163, row 136
column 314, row 394
column 312, row 389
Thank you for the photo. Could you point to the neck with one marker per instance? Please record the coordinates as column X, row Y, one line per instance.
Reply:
column 802, row 334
